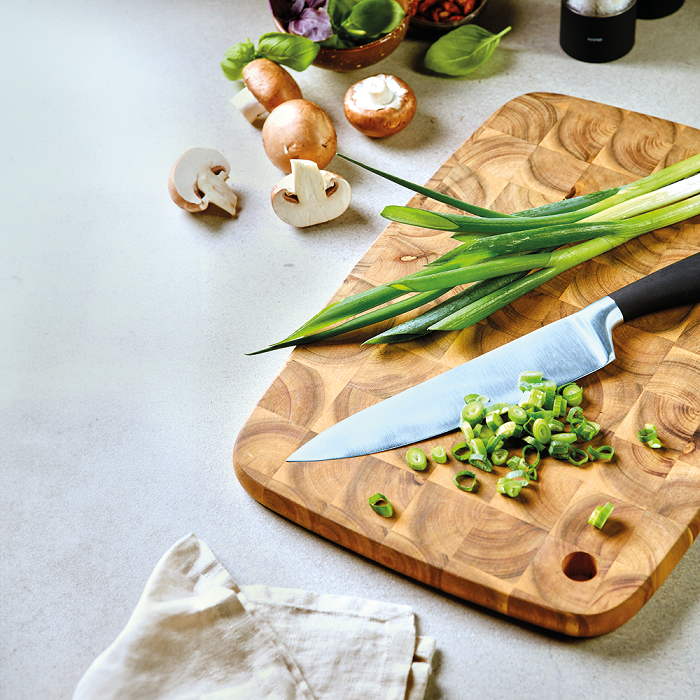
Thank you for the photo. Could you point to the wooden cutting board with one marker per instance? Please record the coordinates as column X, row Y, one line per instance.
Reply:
column 534, row 557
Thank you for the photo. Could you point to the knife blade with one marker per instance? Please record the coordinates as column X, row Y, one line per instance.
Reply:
column 564, row 351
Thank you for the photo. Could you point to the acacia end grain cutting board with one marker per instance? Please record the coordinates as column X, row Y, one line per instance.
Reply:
column 534, row 557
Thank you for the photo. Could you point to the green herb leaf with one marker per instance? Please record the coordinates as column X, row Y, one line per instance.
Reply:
column 462, row 50
column 295, row 52
column 236, row 58
column 373, row 18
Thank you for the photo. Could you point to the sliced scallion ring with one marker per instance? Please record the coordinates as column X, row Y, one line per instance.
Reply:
column 416, row 459
column 461, row 451
column 649, row 436
column 499, row 456
column 508, row 487
column 572, row 393
column 460, row 477
column 577, row 456
column 604, row 452
column 380, row 504
column 438, row 454
column 600, row 515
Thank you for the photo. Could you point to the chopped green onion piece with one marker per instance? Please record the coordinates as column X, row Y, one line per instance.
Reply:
column 380, row 504
column 529, row 377
column 519, row 475
column 534, row 398
column 465, row 474
column 508, row 487
column 461, row 451
column 559, row 406
column 499, row 456
column 575, row 415
column 534, row 442
column 416, row 459
column 604, row 452
column 438, row 454
column 572, row 393
column 509, row 429
column 541, row 431
column 532, row 473
column 568, row 438
column 558, row 449
column 582, row 456
column 555, row 426
column 494, row 420
column 517, row 415
column 536, row 460
column 473, row 412
column 494, row 443
column 648, row 436
column 600, row 515
column 467, row 430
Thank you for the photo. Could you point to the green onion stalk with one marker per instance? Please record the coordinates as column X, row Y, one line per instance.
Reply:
column 501, row 257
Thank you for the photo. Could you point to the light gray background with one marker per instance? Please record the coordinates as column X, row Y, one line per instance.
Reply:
column 125, row 322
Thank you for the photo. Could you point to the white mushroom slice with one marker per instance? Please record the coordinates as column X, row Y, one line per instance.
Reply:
column 198, row 179
column 310, row 196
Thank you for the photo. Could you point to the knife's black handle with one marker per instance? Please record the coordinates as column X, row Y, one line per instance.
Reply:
column 673, row 285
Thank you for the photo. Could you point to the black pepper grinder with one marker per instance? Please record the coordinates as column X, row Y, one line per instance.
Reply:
column 654, row 9
column 597, row 31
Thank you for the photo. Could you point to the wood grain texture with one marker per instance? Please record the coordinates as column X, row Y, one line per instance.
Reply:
column 534, row 557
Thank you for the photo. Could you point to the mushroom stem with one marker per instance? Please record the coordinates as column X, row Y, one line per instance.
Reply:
column 379, row 91
column 248, row 105
column 310, row 196
column 216, row 191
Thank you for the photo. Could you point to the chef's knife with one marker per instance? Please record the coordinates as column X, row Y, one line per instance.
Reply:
column 563, row 351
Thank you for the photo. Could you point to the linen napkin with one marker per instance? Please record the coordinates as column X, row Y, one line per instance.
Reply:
column 196, row 635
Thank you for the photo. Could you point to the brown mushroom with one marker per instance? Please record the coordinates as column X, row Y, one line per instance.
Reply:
column 267, row 85
column 299, row 129
column 198, row 179
column 380, row 105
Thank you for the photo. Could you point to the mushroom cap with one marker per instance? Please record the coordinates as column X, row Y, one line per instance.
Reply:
column 299, row 129
column 269, row 83
column 182, row 181
column 381, row 121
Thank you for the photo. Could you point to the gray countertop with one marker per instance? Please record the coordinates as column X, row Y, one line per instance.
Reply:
column 125, row 323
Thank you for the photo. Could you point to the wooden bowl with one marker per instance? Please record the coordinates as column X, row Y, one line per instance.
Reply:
column 423, row 26
column 345, row 60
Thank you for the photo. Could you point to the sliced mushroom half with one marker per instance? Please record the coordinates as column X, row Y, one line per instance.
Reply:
column 198, row 179
column 310, row 196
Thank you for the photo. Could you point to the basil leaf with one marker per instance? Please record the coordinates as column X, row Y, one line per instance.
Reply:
column 295, row 52
column 462, row 50
column 372, row 18
column 236, row 57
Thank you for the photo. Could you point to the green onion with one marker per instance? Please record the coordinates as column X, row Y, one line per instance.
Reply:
column 508, row 487
column 438, row 454
column 416, row 459
column 461, row 451
column 465, row 474
column 380, row 504
column 604, row 452
column 648, row 436
column 501, row 264
column 600, row 515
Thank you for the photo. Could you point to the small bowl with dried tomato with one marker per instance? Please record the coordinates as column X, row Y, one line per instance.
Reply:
column 440, row 16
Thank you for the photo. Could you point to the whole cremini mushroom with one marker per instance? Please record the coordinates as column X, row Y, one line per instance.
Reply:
column 310, row 196
column 267, row 85
column 380, row 105
column 198, row 179
column 299, row 129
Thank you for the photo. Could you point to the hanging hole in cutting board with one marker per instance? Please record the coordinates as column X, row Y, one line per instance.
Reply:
column 579, row 566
